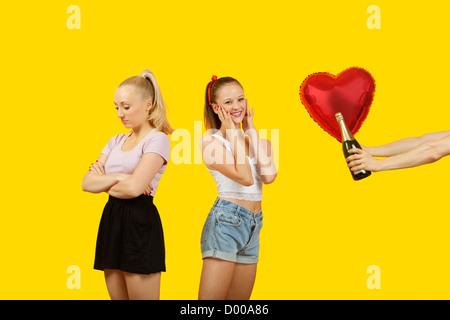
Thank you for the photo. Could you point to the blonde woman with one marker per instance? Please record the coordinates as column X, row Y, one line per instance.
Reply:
column 404, row 153
column 130, row 242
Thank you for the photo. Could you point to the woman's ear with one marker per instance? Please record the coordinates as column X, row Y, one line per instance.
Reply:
column 215, row 107
column 148, row 105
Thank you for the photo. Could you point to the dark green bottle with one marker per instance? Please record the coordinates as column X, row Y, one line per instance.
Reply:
column 349, row 142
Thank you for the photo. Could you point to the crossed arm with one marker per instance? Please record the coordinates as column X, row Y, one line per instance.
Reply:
column 120, row 185
column 404, row 153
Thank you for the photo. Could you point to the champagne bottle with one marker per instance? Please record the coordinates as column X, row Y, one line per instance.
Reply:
column 349, row 142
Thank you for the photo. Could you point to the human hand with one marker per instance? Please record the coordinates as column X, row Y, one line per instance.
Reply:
column 148, row 190
column 367, row 149
column 362, row 159
column 97, row 168
column 227, row 123
column 225, row 118
column 247, row 122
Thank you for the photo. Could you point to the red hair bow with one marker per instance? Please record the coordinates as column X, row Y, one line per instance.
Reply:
column 213, row 78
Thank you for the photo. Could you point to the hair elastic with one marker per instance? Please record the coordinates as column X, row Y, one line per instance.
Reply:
column 213, row 78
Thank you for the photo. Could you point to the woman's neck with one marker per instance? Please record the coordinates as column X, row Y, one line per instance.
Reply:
column 141, row 131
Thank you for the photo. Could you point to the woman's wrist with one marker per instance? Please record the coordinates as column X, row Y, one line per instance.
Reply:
column 381, row 165
column 368, row 149
column 254, row 138
column 121, row 176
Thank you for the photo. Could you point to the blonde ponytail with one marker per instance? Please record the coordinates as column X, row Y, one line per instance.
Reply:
column 147, row 85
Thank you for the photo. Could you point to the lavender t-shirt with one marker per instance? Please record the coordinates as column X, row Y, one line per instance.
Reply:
column 126, row 161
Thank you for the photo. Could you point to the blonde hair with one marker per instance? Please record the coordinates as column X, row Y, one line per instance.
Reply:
column 148, row 87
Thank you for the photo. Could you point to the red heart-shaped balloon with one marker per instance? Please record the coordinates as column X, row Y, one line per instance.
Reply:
column 350, row 93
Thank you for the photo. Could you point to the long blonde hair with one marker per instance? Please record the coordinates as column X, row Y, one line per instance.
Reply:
column 148, row 87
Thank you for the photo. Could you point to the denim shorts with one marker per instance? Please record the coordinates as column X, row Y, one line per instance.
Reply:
column 231, row 233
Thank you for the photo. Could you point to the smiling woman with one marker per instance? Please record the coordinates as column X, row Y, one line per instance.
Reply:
column 241, row 163
column 130, row 243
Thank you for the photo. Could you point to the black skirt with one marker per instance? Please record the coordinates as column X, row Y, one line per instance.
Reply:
column 130, row 237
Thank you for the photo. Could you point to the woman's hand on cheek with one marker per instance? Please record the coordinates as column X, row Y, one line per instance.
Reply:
column 225, row 118
column 247, row 122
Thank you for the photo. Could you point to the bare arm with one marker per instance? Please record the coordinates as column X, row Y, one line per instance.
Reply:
column 234, row 166
column 261, row 148
column 425, row 153
column 218, row 158
column 137, row 183
column 404, row 145
column 96, row 181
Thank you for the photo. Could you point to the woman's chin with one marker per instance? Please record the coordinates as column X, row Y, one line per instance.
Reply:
column 238, row 120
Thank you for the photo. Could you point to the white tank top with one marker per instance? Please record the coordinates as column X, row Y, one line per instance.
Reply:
column 228, row 188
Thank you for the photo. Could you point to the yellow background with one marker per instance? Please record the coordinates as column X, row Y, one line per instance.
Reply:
column 321, row 229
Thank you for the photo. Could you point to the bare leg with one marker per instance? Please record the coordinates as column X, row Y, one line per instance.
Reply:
column 143, row 286
column 242, row 283
column 115, row 282
column 215, row 279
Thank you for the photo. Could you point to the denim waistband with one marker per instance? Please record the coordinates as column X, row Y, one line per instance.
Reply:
column 233, row 206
